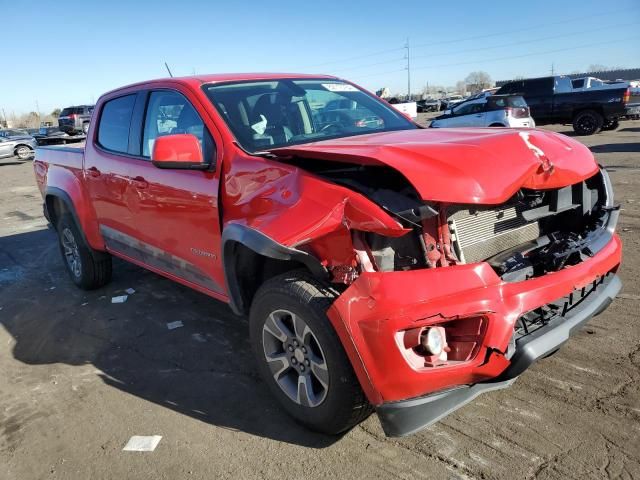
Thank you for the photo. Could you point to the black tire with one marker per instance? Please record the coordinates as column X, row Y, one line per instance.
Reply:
column 587, row 122
column 93, row 268
column 496, row 125
column 610, row 125
column 23, row 152
column 344, row 404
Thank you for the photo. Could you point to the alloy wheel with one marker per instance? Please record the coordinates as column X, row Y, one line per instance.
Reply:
column 295, row 358
column 71, row 253
column 22, row 153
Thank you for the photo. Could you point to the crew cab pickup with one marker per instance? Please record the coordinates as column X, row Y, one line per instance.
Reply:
column 553, row 100
column 382, row 265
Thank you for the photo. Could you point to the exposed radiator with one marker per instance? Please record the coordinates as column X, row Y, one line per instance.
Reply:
column 480, row 233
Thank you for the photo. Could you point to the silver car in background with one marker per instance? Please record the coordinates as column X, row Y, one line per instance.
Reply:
column 20, row 146
column 491, row 111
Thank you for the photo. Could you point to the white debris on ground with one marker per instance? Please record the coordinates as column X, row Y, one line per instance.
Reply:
column 119, row 299
column 141, row 443
column 174, row 325
column 130, row 291
column 198, row 337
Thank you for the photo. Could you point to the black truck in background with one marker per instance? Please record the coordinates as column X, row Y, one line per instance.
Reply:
column 553, row 100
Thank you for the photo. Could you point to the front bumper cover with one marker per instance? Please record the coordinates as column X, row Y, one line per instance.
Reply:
column 408, row 416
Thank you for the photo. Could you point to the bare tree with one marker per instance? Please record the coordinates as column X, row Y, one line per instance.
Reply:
column 461, row 87
column 56, row 113
column 477, row 81
column 597, row 67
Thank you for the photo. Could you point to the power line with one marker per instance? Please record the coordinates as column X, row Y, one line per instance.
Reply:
column 571, row 34
column 524, row 42
column 464, row 39
column 527, row 54
column 495, row 59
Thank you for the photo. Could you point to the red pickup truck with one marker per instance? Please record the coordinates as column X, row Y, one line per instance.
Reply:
column 382, row 265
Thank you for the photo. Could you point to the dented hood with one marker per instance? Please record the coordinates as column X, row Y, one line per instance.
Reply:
column 480, row 165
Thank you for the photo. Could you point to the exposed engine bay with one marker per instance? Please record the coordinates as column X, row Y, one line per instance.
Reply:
column 533, row 233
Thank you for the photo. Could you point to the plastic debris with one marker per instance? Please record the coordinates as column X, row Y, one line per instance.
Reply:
column 141, row 443
column 130, row 291
column 198, row 337
column 174, row 325
column 84, row 304
column 628, row 296
column 119, row 299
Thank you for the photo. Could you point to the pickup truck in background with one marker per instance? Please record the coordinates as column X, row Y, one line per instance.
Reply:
column 553, row 100
column 382, row 265
column 75, row 120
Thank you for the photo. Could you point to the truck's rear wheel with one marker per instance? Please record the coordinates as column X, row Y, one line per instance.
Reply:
column 300, row 357
column 89, row 269
column 587, row 122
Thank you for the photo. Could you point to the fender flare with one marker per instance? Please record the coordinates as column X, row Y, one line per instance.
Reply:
column 65, row 198
column 261, row 244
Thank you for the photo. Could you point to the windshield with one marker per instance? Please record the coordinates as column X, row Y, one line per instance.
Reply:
column 270, row 114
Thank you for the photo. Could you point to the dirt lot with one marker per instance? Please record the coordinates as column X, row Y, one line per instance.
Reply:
column 81, row 375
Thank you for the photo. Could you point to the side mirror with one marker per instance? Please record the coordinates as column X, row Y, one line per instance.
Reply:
column 179, row 151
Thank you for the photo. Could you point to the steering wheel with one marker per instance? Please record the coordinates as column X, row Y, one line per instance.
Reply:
column 337, row 127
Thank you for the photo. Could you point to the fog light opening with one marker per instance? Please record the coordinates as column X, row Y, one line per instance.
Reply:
column 433, row 341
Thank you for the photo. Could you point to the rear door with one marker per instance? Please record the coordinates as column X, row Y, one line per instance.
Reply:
column 173, row 214
column 107, row 162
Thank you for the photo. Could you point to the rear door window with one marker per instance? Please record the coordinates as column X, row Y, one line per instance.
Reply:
column 115, row 121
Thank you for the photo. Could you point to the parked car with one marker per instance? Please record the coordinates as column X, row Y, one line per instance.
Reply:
column 75, row 120
column 428, row 105
column 448, row 102
column 51, row 136
column 492, row 111
column 553, row 100
column 16, row 145
column 394, row 267
column 14, row 132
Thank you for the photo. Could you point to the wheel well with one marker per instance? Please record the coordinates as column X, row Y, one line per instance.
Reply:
column 21, row 145
column 496, row 125
column 250, row 270
column 597, row 110
column 55, row 209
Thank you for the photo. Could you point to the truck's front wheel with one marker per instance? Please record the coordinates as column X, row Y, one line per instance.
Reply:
column 587, row 122
column 300, row 357
column 88, row 268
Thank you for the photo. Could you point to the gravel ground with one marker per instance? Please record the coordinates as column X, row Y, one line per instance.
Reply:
column 81, row 375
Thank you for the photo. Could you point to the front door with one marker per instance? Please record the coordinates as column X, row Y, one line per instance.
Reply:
column 174, row 213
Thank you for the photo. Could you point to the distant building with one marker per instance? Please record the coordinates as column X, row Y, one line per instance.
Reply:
column 627, row 74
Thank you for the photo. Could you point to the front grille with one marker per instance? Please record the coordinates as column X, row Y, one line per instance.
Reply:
column 480, row 233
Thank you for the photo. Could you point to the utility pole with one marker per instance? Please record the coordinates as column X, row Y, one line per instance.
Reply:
column 38, row 112
column 552, row 69
column 408, row 70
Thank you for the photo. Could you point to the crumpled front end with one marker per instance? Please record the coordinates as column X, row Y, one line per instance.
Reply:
column 494, row 279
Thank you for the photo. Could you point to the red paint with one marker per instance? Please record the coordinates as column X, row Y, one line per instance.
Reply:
column 177, row 211
column 181, row 147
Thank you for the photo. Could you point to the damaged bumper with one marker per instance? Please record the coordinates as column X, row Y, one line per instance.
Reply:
column 408, row 416
column 372, row 313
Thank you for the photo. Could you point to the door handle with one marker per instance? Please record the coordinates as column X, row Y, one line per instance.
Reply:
column 140, row 182
column 94, row 172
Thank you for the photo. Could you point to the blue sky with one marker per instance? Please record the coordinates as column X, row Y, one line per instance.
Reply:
column 60, row 56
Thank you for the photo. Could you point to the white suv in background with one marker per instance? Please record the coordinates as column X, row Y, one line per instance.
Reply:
column 492, row 111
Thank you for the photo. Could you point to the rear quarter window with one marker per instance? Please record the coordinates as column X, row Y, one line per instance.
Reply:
column 115, row 121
